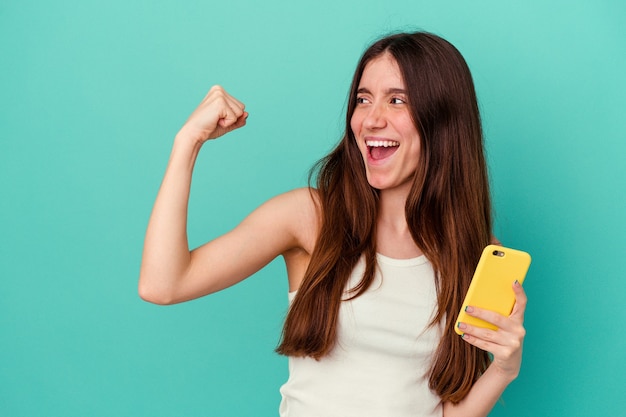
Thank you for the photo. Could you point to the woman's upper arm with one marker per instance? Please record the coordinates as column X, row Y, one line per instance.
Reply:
column 272, row 229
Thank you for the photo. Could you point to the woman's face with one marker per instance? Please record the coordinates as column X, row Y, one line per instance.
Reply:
column 383, row 127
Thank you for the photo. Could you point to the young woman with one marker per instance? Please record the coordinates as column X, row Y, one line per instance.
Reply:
column 379, row 254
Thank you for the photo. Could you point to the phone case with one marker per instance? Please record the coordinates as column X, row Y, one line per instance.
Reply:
column 491, row 286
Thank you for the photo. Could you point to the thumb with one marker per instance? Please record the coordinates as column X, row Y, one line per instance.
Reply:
column 231, row 122
column 520, row 300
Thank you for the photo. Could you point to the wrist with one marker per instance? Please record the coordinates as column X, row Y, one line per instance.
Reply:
column 188, row 141
column 185, row 150
column 506, row 375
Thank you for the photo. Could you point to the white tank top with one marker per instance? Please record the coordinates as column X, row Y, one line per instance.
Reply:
column 379, row 366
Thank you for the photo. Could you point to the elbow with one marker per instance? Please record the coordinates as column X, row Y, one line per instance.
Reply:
column 154, row 298
column 154, row 295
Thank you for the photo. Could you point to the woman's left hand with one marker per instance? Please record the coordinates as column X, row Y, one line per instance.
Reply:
column 505, row 344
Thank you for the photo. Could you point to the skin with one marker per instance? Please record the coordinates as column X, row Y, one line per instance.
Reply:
column 287, row 225
column 382, row 114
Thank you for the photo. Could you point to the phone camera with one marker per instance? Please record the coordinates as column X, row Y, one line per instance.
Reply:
column 498, row 253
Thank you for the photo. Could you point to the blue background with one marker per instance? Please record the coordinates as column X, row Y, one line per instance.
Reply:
column 92, row 94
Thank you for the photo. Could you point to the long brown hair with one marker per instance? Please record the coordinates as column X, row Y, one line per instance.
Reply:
column 448, row 210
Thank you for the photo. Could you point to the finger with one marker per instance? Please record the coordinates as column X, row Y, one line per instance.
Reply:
column 506, row 336
column 489, row 316
column 478, row 333
column 232, row 110
column 213, row 91
column 504, row 324
column 217, row 92
column 230, row 117
column 241, row 121
column 501, row 352
column 520, row 301
column 479, row 343
column 234, row 103
column 233, row 123
column 219, row 113
column 486, row 345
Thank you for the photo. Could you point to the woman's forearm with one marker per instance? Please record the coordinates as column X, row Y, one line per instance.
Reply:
column 166, row 254
column 166, row 260
column 505, row 344
column 484, row 394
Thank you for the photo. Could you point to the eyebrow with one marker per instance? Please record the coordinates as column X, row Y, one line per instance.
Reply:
column 388, row 91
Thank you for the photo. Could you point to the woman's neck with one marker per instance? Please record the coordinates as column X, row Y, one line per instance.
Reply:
column 393, row 238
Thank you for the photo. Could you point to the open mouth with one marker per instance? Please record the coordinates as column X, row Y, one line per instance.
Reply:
column 381, row 149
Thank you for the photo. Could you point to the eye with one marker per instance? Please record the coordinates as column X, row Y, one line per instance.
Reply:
column 361, row 100
column 398, row 100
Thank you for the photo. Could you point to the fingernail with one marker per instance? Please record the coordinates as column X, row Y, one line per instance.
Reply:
column 469, row 309
column 516, row 283
column 461, row 326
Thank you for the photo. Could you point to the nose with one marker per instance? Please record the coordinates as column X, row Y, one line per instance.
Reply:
column 375, row 117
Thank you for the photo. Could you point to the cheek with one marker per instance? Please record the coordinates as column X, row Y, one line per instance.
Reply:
column 355, row 124
column 410, row 131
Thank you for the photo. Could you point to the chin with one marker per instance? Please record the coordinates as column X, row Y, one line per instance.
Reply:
column 377, row 183
column 381, row 184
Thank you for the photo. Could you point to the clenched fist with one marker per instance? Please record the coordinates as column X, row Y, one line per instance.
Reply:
column 217, row 114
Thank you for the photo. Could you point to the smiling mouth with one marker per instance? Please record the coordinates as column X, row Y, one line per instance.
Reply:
column 381, row 149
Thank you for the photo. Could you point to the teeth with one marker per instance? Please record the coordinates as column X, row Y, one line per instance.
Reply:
column 383, row 143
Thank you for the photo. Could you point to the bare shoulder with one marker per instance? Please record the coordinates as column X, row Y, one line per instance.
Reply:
column 299, row 212
column 300, row 200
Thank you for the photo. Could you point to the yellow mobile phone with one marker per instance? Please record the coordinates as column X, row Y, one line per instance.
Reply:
column 491, row 286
